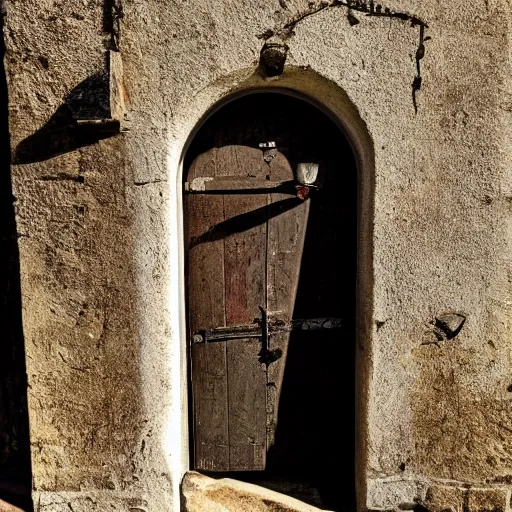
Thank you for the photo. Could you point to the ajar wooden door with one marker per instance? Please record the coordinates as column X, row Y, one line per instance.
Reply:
column 245, row 235
column 268, row 275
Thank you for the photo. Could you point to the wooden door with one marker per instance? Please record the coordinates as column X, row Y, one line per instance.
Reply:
column 244, row 252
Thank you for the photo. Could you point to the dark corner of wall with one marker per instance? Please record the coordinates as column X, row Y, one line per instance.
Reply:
column 15, row 466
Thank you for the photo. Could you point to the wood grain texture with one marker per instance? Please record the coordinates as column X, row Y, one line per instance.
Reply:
column 227, row 287
column 245, row 261
column 207, row 310
column 286, row 233
column 245, row 254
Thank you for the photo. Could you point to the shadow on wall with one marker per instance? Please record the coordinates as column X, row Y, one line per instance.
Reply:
column 15, row 466
column 83, row 119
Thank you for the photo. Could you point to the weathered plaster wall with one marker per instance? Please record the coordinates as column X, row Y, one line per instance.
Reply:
column 99, row 237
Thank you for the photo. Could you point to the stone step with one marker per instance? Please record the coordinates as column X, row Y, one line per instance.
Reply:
column 204, row 494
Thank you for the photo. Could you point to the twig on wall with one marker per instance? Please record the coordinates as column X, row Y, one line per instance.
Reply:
column 369, row 8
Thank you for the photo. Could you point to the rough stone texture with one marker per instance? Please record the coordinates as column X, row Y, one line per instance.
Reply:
column 99, row 233
column 443, row 498
column 457, row 498
column 486, row 500
column 204, row 494
column 393, row 493
column 96, row 501
column 7, row 507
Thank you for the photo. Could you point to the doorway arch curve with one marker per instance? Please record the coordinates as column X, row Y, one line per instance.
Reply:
column 330, row 99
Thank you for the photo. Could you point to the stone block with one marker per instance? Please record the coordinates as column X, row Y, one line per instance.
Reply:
column 489, row 500
column 392, row 494
column 442, row 498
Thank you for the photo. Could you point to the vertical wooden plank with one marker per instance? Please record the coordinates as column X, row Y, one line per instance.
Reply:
column 247, row 405
column 210, row 386
column 245, row 265
column 207, row 310
column 286, row 234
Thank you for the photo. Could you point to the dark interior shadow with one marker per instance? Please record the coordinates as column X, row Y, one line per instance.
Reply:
column 66, row 131
column 15, row 464
column 315, row 436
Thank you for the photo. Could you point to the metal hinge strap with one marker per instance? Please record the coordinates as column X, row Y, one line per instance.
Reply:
column 219, row 184
column 275, row 326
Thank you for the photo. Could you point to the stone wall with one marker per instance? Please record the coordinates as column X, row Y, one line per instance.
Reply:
column 98, row 220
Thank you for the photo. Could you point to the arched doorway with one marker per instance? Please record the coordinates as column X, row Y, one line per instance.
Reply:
column 270, row 377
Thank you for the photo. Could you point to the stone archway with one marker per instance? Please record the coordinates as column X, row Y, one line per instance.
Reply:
column 188, row 117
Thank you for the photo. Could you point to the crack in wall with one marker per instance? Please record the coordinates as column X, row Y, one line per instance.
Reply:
column 369, row 8
column 62, row 177
column 149, row 182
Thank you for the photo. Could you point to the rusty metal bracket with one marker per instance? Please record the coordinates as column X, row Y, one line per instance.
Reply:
column 236, row 184
column 265, row 327
column 306, row 179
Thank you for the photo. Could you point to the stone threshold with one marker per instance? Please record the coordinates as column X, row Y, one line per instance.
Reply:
column 201, row 493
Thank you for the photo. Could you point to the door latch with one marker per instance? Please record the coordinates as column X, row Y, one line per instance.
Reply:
column 269, row 324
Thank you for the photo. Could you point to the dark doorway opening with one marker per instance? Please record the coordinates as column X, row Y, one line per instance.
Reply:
column 312, row 456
